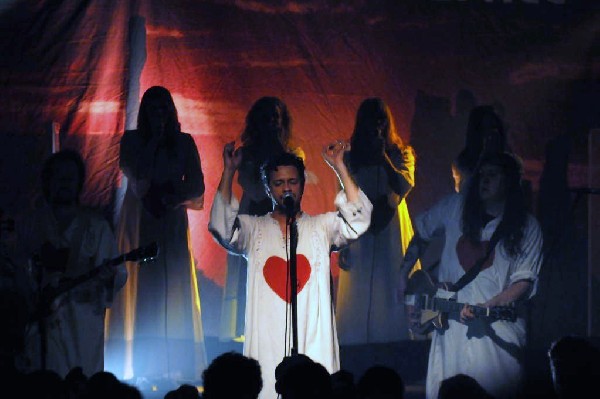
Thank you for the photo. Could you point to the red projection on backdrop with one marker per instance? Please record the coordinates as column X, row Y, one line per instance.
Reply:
column 212, row 107
column 73, row 63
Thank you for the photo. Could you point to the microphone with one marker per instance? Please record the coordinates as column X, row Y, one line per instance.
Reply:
column 288, row 204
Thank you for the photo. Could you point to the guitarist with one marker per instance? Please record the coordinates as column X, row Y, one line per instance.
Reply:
column 493, row 201
column 64, row 240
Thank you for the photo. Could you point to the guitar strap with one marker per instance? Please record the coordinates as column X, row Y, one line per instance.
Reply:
column 474, row 271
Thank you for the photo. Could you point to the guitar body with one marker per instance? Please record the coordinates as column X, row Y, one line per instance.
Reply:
column 421, row 287
column 50, row 293
column 429, row 303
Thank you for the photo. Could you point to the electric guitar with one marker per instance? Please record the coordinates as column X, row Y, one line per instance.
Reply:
column 434, row 303
column 52, row 292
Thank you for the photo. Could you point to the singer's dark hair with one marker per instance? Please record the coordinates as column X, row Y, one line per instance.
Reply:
column 62, row 156
column 283, row 159
column 163, row 96
column 485, row 133
column 372, row 112
column 256, row 133
column 514, row 219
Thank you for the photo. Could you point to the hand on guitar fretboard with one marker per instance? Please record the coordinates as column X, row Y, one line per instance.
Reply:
column 51, row 292
column 428, row 306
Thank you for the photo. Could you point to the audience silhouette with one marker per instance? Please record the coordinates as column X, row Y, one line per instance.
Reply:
column 380, row 382
column 76, row 383
column 102, row 384
column 232, row 375
column 43, row 383
column 343, row 385
column 299, row 377
column 462, row 386
column 184, row 391
column 574, row 365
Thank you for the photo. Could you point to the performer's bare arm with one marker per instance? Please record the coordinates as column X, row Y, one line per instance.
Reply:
column 231, row 161
column 334, row 156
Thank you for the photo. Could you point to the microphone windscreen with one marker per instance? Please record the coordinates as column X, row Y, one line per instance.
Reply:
column 288, row 203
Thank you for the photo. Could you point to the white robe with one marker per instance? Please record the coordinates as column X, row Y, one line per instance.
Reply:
column 491, row 353
column 268, row 328
column 154, row 328
column 75, row 328
column 369, row 303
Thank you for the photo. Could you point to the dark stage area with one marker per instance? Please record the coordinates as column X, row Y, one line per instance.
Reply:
column 408, row 358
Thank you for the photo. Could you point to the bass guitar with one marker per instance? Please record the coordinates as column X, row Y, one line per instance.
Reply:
column 51, row 292
column 433, row 303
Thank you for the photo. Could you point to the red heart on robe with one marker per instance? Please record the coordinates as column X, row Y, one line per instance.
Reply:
column 275, row 272
column 468, row 253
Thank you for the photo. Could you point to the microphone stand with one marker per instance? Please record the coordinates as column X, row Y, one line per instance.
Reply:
column 291, row 220
column 41, row 310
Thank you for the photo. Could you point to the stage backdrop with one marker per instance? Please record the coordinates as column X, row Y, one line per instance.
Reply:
column 74, row 70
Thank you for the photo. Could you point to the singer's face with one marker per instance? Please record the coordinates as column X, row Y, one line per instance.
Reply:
column 64, row 183
column 283, row 180
column 157, row 111
column 492, row 185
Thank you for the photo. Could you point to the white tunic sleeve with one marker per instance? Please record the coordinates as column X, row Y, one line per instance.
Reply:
column 435, row 218
column 352, row 219
column 222, row 220
column 527, row 264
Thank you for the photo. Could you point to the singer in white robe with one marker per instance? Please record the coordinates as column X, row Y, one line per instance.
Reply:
column 268, row 326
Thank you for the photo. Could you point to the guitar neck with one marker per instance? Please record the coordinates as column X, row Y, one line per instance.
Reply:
column 449, row 306
column 50, row 292
column 70, row 283
column 508, row 312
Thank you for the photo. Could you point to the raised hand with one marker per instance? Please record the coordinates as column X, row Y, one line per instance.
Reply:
column 232, row 157
column 333, row 153
column 334, row 156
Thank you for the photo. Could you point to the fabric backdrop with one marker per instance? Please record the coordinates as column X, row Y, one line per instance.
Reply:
column 77, row 69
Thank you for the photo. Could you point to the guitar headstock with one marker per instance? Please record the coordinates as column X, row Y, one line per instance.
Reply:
column 420, row 282
column 143, row 254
